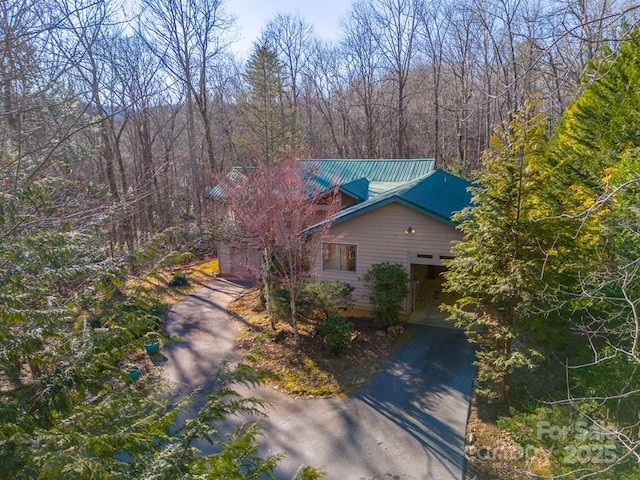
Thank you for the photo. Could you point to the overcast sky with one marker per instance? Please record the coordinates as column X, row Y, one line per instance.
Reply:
column 253, row 15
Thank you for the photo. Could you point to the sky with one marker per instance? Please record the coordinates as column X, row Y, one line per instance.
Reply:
column 253, row 15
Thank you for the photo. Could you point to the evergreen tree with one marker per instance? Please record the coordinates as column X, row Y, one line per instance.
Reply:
column 596, row 129
column 68, row 327
column 591, row 188
column 268, row 116
column 496, row 266
column 590, row 193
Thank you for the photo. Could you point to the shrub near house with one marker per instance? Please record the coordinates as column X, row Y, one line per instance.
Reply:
column 388, row 287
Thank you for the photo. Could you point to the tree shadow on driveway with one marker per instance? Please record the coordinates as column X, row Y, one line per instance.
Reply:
column 424, row 388
column 202, row 336
column 408, row 423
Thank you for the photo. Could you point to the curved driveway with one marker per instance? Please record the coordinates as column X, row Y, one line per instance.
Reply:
column 407, row 423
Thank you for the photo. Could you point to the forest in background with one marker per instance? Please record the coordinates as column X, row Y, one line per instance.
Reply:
column 114, row 124
column 138, row 110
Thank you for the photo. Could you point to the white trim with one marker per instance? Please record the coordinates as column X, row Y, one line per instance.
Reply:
column 355, row 272
column 428, row 258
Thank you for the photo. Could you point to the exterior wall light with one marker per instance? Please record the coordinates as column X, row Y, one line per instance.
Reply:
column 409, row 231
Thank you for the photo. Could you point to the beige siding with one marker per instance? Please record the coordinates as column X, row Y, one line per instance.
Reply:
column 224, row 259
column 235, row 261
column 238, row 262
column 380, row 237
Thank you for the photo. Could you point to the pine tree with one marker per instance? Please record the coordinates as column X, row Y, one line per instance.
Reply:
column 68, row 325
column 590, row 195
column 496, row 266
column 592, row 187
column 268, row 116
column 597, row 128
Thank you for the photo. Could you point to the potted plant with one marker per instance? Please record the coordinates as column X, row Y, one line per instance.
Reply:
column 133, row 372
column 152, row 343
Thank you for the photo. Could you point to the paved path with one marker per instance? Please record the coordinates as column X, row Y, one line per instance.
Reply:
column 206, row 336
column 407, row 423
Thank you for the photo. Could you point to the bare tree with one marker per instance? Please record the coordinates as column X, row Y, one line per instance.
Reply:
column 290, row 36
column 137, row 71
column 434, row 32
column 188, row 37
column 18, row 30
column 326, row 78
column 397, row 24
column 365, row 75
column 90, row 28
column 38, row 115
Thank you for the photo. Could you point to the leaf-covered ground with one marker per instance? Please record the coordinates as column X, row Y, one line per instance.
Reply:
column 314, row 371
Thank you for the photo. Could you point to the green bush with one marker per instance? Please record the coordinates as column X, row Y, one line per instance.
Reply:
column 317, row 300
column 280, row 306
column 324, row 298
column 388, row 285
column 159, row 309
column 179, row 280
column 336, row 333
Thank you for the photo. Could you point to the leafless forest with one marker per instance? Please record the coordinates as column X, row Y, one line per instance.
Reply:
column 129, row 113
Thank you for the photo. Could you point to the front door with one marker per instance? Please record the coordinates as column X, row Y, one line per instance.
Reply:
column 426, row 291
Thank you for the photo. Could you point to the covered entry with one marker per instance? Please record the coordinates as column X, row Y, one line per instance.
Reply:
column 427, row 294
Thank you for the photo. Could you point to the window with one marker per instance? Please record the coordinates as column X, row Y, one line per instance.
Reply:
column 339, row 256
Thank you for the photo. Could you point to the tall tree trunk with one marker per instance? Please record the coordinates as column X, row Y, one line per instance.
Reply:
column 401, row 121
column 193, row 162
column 293, row 301
column 436, row 115
column 267, row 282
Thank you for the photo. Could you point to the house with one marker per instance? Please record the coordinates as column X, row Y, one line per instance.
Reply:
column 396, row 211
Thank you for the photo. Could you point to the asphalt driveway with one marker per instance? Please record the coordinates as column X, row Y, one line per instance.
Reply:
column 407, row 423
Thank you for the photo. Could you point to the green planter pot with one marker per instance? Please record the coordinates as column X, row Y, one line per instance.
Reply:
column 152, row 348
column 133, row 373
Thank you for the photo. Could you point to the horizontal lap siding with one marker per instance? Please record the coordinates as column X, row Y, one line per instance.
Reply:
column 224, row 259
column 380, row 236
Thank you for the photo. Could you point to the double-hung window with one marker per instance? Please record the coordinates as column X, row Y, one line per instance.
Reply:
column 339, row 256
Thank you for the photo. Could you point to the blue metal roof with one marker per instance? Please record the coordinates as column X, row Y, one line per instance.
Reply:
column 331, row 172
column 375, row 183
column 358, row 189
column 235, row 173
column 350, row 175
column 437, row 194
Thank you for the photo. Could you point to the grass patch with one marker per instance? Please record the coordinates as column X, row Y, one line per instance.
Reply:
column 204, row 270
column 159, row 283
column 315, row 371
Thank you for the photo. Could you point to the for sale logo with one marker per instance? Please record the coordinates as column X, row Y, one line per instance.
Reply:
column 583, row 444
column 589, row 443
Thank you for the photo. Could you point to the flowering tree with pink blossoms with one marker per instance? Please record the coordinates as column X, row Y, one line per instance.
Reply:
column 271, row 206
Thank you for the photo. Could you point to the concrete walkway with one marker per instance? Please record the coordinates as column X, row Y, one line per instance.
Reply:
column 407, row 423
